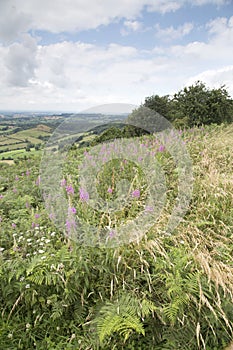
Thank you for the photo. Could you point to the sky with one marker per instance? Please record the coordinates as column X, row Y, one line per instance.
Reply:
column 70, row 55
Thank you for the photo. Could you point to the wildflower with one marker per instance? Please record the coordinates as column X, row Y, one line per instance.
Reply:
column 16, row 178
column 72, row 210
column 70, row 224
column 1, row 196
column 37, row 216
column 27, row 205
column 63, row 182
column 149, row 209
column 14, row 190
column 40, row 251
column 13, row 225
column 27, row 286
column 112, row 233
column 28, row 325
column 161, row 148
column 69, row 189
column 83, row 195
column 110, row 190
column 136, row 193
column 1, row 249
column 51, row 216
column 27, row 172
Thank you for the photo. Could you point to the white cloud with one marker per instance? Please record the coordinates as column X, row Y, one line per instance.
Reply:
column 165, row 6
column 131, row 26
column 21, row 62
column 214, row 2
column 218, row 49
column 220, row 26
column 76, row 75
column 18, row 16
column 13, row 22
column 215, row 78
column 171, row 33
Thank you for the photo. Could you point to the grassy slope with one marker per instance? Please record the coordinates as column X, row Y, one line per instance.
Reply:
column 159, row 267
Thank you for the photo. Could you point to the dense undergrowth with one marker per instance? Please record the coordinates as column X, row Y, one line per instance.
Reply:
column 163, row 292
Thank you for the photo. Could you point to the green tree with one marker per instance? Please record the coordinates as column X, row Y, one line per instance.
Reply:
column 193, row 105
column 144, row 120
column 107, row 135
column 159, row 104
column 199, row 105
column 219, row 106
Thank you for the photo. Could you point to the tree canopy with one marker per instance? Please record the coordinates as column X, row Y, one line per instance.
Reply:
column 194, row 105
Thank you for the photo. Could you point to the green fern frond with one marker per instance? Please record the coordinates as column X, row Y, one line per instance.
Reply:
column 123, row 316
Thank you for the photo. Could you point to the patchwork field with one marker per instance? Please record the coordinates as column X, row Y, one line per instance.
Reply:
column 13, row 144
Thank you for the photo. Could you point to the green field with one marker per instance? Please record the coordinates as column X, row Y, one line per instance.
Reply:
column 18, row 141
column 19, row 153
column 8, row 131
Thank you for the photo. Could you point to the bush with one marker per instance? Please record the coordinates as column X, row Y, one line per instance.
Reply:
column 194, row 105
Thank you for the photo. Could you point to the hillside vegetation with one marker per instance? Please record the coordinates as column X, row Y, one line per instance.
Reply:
column 165, row 291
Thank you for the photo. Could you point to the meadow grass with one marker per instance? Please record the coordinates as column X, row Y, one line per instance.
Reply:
column 162, row 291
